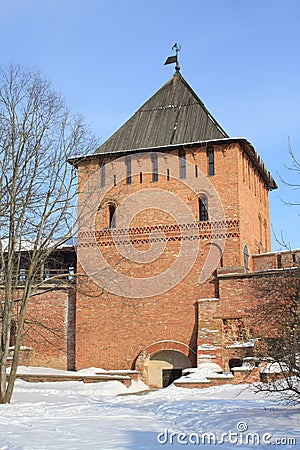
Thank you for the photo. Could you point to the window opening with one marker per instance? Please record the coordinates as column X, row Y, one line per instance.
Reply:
column 279, row 263
column 128, row 168
column 22, row 275
column 71, row 273
column 103, row 175
column 246, row 257
column 154, row 167
column 182, row 164
column 112, row 216
column 211, row 161
column 260, row 228
column 266, row 233
column 203, row 208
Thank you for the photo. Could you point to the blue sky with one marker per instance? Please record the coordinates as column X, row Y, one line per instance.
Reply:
column 242, row 57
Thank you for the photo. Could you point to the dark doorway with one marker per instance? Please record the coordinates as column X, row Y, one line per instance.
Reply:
column 235, row 363
column 170, row 375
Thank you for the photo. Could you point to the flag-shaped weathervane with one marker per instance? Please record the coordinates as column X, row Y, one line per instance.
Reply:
column 174, row 59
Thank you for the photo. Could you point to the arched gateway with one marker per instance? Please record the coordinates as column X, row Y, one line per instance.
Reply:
column 162, row 362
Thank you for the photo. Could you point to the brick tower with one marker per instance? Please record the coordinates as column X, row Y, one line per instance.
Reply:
column 178, row 202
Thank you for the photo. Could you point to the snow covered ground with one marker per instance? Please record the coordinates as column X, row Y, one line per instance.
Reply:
column 76, row 416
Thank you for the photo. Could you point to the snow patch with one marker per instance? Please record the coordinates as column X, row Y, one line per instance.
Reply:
column 274, row 367
column 77, row 416
column 203, row 373
column 207, row 347
column 238, row 344
column 32, row 370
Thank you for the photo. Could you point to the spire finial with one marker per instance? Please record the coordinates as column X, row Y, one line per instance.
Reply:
column 174, row 59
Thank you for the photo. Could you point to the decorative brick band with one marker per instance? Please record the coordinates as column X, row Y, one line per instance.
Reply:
column 165, row 233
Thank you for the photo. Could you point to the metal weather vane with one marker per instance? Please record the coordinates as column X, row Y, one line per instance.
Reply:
column 174, row 59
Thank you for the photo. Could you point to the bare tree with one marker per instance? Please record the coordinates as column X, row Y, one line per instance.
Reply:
column 277, row 311
column 37, row 193
column 276, row 322
column 291, row 181
column 294, row 172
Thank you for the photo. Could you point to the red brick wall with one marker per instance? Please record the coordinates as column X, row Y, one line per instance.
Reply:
column 112, row 330
column 253, row 208
column 49, row 329
column 209, row 331
column 279, row 260
column 242, row 300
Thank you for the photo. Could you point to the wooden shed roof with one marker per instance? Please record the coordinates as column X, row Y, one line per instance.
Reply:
column 174, row 115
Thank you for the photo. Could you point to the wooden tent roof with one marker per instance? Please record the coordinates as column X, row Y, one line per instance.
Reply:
column 174, row 115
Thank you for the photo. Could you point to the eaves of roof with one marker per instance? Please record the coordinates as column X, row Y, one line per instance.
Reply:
column 244, row 143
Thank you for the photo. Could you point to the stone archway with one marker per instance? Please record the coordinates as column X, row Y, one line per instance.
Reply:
column 166, row 366
column 162, row 362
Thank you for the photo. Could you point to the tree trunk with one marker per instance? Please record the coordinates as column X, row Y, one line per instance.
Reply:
column 5, row 339
column 3, row 365
column 15, row 361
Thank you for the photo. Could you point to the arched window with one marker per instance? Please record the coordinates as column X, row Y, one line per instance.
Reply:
column 246, row 257
column 203, row 208
column 112, row 215
column 182, row 164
